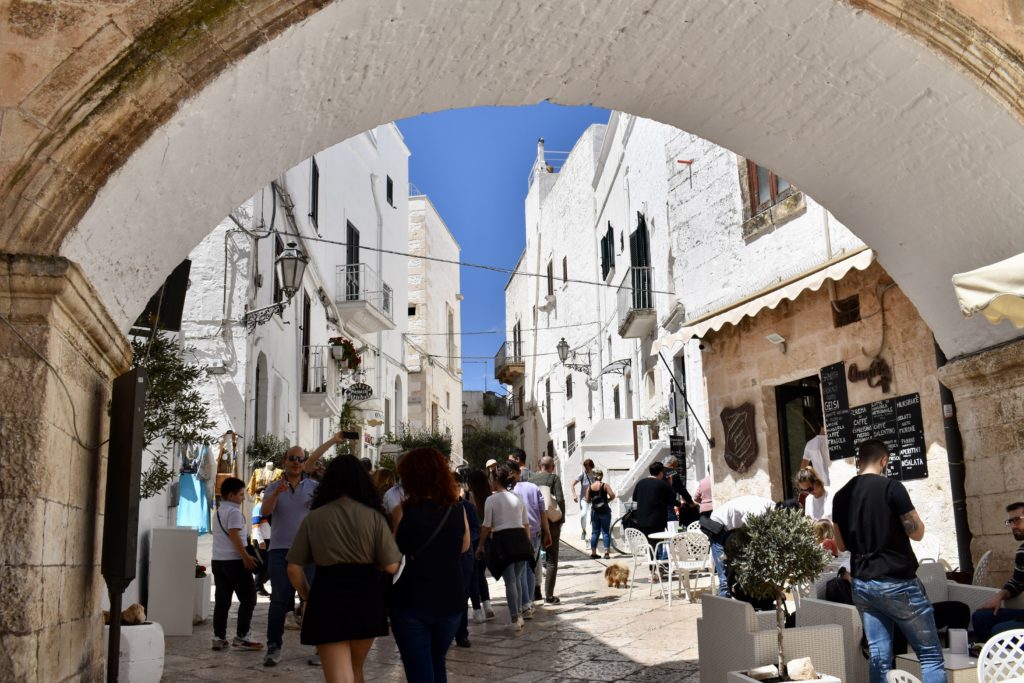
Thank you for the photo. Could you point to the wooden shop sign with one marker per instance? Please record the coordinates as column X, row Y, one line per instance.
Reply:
column 878, row 374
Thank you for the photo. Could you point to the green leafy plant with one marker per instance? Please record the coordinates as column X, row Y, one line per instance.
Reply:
column 175, row 411
column 347, row 422
column 265, row 448
column 492, row 405
column 779, row 552
column 480, row 445
column 387, row 462
column 408, row 437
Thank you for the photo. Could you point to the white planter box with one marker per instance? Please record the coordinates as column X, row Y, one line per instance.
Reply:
column 172, row 575
column 737, row 677
column 141, row 652
column 201, row 605
column 337, row 352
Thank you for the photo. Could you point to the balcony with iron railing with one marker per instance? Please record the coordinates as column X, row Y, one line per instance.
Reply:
column 363, row 298
column 320, row 375
column 508, row 363
column 637, row 313
column 514, row 408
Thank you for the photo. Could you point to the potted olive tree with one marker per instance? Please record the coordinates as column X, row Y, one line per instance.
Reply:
column 777, row 552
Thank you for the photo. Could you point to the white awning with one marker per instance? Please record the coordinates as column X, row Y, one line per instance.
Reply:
column 769, row 297
column 996, row 291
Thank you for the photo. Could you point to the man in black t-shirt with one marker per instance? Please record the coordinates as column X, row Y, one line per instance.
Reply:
column 653, row 497
column 874, row 519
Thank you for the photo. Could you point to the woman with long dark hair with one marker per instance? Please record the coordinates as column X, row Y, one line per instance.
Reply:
column 479, row 491
column 511, row 550
column 347, row 537
column 429, row 597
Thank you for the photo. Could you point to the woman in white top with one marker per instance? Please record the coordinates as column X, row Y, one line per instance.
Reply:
column 818, row 504
column 506, row 522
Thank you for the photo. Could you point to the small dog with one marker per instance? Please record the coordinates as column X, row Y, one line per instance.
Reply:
column 617, row 575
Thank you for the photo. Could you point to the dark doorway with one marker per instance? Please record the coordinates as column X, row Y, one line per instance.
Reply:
column 798, row 406
column 352, row 263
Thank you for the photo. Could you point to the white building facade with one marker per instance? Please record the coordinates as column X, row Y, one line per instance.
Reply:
column 433, row 342
column 647, row 249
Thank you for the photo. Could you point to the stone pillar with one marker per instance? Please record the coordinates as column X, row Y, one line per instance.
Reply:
column 53, row 424
column 989, row 393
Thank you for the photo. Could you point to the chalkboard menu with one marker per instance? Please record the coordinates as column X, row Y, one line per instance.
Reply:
column 836, row 406
column 895, row 421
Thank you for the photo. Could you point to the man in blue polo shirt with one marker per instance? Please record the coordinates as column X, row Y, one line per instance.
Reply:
column 288, row 500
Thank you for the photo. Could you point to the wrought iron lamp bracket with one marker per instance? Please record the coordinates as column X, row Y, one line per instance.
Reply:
column 261, row 316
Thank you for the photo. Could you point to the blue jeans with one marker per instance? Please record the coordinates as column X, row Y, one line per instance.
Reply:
column 601, row 525
column 985, row 623
column 884, row 603
column 528, row 582
column 423, row 639
column 717, row 556
column 282, row 595
column 513, row 578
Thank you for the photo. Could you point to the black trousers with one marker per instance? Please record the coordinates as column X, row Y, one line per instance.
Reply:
column 231, row 576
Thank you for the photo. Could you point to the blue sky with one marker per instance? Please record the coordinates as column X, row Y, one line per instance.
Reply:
column 474, row 164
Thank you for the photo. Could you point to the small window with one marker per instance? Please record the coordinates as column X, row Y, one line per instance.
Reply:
column 412, row 311
column 314, row 192
column 846, row 311
column 607, row 251
column 615, row 402
column 766, row 188
column 565, row 269
column 447, row 400
column 391, row 192
column 568, row 387
column 622, row 241
column 551, row 278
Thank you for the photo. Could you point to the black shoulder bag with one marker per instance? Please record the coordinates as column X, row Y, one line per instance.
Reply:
column 249, row 548
column 412, row 556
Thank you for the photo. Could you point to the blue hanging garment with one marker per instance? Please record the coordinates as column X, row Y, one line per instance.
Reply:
column 193, row 503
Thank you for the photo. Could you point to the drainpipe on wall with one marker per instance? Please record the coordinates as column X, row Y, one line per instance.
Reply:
column 380, row 274
column 957, row 472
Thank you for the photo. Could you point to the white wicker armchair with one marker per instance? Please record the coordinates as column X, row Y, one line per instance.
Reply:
column 731, row 636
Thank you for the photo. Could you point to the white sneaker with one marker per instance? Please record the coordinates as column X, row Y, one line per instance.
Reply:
column 527, row 613
column 488, row 612
column 291, row 623
column 519, row 623
column 478, row 616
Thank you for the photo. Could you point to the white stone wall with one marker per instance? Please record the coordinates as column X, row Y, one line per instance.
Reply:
column 434, row 289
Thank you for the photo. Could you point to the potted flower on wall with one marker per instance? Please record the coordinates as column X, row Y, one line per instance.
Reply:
column 774, row 552
column 344, row 351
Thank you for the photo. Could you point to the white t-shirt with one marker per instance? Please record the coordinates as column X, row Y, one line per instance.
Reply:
column 393, row 497
column 819, row 508
column 504, row 510
column 733, row 513
column 816, row 452
column 230, row 515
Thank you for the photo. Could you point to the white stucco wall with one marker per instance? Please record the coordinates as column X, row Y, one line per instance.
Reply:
column 434, row 288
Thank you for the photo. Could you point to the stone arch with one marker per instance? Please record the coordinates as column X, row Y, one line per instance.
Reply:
column 904, row 122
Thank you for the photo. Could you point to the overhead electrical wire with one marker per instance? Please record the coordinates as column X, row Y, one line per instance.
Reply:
column 467, row 264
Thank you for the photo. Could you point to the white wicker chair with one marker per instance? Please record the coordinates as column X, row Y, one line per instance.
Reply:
column 897, row 676
column 731, row 636
column 981, row 570
column 1002, row 658
column 643, row 556
column 687, row 554
column 693, row 527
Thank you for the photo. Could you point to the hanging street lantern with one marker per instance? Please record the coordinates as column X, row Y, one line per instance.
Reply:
column 290, row 266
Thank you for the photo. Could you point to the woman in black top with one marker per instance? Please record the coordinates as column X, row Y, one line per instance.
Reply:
column 600, row 496
column 429, row 597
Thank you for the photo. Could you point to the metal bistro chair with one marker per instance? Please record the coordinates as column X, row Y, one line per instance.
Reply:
column 643, row 556
column 687, row 553
column 1002, row 658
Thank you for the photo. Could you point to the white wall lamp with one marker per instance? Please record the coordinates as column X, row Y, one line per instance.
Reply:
column 778, row 340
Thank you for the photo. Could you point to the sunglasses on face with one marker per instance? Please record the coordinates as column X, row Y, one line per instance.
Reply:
column 1013, row 520
column 295, row 458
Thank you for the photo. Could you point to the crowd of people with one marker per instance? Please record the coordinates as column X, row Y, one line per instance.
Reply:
column 367, row 552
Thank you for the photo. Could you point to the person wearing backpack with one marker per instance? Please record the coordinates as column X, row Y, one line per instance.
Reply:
column 600, row 497
column 554, row 505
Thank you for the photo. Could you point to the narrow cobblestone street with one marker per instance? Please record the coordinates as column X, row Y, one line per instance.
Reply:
column 595, row 634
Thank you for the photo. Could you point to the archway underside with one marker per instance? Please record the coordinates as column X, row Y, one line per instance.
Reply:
column 904, row 118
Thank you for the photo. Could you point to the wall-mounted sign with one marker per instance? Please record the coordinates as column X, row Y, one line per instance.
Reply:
column 740, row 437
column 836, row 409
column 359, row 391
column 878, row 374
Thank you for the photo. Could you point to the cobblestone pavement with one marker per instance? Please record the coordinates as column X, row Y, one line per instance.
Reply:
column 595, row 634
